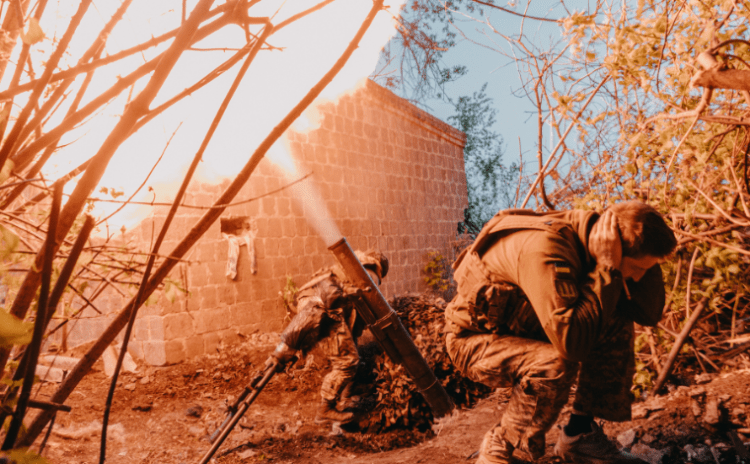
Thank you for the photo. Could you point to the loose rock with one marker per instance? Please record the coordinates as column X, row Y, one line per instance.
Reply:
column 194, row 411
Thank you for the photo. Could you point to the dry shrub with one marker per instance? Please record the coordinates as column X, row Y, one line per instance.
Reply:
column 399, row 404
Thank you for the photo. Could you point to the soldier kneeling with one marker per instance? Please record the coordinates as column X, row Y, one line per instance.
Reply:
column 326, row 317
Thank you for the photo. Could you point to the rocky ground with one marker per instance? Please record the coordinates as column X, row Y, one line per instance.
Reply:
column 164, row 415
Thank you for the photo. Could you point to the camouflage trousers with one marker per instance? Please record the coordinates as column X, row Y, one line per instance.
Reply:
column 341, row 349
column 541, row 380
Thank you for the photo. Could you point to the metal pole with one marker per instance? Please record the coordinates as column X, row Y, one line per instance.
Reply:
column 227, row 427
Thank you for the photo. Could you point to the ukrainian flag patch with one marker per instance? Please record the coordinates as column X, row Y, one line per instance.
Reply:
column 563, row 269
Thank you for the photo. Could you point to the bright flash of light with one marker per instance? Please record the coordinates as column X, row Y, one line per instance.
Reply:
column 300, row 55
column 306, row 195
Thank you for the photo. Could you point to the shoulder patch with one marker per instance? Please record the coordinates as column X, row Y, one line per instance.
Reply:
column 566, row 290
column 562, row 269
column 565, row 282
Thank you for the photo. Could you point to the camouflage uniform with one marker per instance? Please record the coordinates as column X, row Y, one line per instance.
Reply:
column 533, row 310
column 332, row 324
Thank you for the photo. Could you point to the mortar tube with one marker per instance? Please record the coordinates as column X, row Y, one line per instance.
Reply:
column 387, row 328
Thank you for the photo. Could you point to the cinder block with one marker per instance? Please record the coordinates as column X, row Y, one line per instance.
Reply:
column 339, row 124
column 273, row 315
column 244, row 290
column 274, row 228
column 217, row 272
column 202, row 318
column 218, row 319
column 156, row 328
column 227, row 294
column 153, row 353
column 321, row 138
column 285, row 247
column 207, row 296
column 229, row 337
column 301, row 227
column 194, row 347
column 370, row 130
column 288, row 227
column 198, row 272
column 49, row 374
column 135, row 348
column 65, row 363
column 245, row 314
column 211, row 249
column 284, row 206
column 179, row 325
column 306, row 266
column 211, row 343
column 174, row 352
column 141, row 329
column 268, row 206
column 327, row 123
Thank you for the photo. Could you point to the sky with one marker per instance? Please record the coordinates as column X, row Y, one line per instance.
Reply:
column 516, row 117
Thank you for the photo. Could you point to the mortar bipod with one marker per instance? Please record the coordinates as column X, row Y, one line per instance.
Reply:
column 238, row 409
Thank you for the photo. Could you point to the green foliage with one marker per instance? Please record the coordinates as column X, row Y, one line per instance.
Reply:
column 24, row 456
column 489, row 183
column 8, row 243
column 437, row 272
column 648, row 135
column 288, row 296
column 172, row 289
column 112, row 192
column 14, row 331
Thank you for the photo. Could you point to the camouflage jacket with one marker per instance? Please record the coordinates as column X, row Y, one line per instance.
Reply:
column 532, row 275
column 327, row 297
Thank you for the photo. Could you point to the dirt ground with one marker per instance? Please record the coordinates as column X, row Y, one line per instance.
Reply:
column 164, row 415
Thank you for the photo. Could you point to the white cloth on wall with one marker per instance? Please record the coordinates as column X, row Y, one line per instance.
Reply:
column 250, row 243
column 233, row 257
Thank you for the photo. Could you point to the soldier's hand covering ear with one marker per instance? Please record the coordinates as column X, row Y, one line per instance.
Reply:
column 605, row 244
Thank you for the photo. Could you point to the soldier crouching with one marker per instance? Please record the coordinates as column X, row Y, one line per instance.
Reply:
column 326, row 318
column 545, row 297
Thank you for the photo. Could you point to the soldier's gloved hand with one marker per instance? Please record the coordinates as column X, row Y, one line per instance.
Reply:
column 284, row 353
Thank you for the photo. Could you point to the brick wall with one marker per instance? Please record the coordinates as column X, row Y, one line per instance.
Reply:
column 392, row 178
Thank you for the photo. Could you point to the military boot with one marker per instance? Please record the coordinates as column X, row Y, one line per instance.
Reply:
column 494, row 449
column 327, row 413
column 592, row 448
column 349, row 401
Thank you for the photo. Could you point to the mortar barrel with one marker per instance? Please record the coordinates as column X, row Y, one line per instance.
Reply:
column 387, row 328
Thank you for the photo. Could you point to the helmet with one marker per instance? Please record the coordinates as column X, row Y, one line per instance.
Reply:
column 374, row 261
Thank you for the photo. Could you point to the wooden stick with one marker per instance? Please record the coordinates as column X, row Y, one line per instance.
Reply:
column 665, row 371
column 32, row 351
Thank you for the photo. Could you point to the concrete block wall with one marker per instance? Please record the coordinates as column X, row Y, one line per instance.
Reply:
column 392, row 178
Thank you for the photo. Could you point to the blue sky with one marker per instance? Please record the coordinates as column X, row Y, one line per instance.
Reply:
column 515, row 117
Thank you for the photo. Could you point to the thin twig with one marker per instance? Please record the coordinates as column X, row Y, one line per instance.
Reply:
column 715, row 242
column 573, row 123
column 716, row 206
column 705, row 100
column 148, row 176
column 689, row 283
